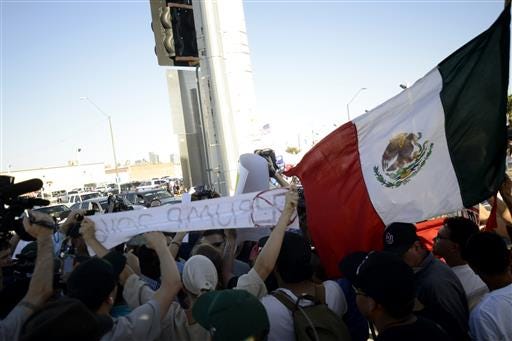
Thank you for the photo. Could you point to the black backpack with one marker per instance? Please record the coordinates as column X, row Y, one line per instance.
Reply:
column 314, row 322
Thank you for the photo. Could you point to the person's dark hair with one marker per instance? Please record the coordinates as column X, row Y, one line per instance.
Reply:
column 212, row 254
column 349, row 264
column 461, row 229
column 487, row 253
column 294, row 260
column 92, row 282
column 149, row 262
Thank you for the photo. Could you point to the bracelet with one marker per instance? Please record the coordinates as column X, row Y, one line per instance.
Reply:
column 178, row 244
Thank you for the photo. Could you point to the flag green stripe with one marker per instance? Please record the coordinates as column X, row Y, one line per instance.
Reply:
column 474, row 98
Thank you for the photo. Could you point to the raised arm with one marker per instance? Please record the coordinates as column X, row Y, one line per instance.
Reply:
column 41, row 284
column 170, row 277
column 175, row 244
column 88, row 232
column 267, row 258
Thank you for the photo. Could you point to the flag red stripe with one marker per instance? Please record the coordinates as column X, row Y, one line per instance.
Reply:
column 340, row 215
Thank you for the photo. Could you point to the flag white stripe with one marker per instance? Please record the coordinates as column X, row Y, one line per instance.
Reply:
column 433, row 189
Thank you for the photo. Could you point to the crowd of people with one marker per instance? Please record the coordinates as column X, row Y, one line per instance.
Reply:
column 211, row 286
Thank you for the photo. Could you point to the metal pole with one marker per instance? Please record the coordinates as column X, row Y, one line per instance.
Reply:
column 114, row 151
column 111, row 137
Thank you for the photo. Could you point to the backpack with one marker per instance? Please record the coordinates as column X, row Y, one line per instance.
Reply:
column 315, row 322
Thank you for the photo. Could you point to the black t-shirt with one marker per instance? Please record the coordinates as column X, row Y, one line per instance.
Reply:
column 421, row 330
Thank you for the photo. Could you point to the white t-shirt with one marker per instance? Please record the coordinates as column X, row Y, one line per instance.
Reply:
column 474, row 287
column 492, row 317
column 281, row 320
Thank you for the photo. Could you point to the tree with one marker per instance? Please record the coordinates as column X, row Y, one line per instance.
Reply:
column 292, row 150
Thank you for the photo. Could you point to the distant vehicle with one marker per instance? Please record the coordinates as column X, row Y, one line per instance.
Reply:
column 60, row 212
column 153, row 184
column 100, row 204
column 146, row 197
column 79, row 197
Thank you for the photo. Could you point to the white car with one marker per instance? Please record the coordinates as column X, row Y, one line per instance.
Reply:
column 79, row 197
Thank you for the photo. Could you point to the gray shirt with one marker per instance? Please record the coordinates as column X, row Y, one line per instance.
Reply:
column 143, row 323
column 444, row 299
column 10, row 327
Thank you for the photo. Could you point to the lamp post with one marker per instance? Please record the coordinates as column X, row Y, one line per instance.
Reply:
column 111, row 133
column 353, row 98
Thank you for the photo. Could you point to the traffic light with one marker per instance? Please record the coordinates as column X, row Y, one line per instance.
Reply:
column 175, row 33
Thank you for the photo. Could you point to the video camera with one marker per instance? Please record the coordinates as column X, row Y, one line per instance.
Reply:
column 12, row 204
column 269, row 155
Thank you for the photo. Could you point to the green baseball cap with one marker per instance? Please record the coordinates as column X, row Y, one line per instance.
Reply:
column 231, row 315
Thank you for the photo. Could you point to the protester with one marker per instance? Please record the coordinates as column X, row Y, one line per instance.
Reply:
column 449, row 244
column 66, row 319
column 356, row 323
column 98, row 292
column 488, row 256
column 385, row 295
column 232, row 315
column 288, row 255
column 41, row 284
column 217, row 239
column 437, row 287
column 199, row 276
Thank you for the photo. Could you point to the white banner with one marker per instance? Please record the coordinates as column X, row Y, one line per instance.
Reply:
column 259, row 209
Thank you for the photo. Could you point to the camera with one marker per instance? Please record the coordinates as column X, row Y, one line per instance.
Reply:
column 269, row 155
column 13, row 203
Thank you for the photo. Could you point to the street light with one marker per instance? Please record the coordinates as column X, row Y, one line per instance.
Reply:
column 353, row 98
column 111, row 132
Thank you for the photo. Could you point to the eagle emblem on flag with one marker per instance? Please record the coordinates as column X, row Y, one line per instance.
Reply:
column 403, row 158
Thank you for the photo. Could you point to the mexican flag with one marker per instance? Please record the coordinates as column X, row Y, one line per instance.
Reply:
column 435, row 148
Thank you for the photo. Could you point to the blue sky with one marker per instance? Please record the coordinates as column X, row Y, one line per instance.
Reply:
column 309, row 59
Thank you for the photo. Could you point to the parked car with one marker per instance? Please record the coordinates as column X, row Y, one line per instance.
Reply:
column 79, row 197
column 146, row 197
column 152, row 184
column 60, row 212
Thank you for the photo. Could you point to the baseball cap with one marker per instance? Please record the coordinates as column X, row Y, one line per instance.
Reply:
column 388, row 280
column 93, row 280
column 65, row 319
column 231, row 315
column 199, row 275
column 398, row 237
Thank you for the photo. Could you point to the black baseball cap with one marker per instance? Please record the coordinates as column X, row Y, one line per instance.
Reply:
column 93, row 280
column 399, row 237
column 388, row 280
